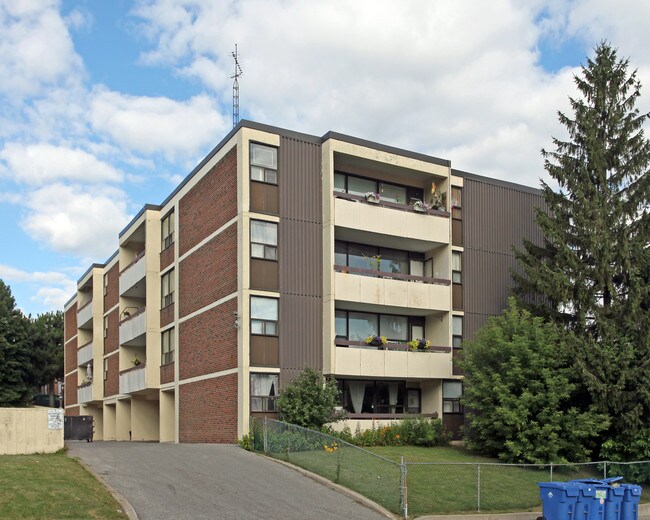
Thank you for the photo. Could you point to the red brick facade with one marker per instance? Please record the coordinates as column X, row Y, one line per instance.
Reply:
column 112, row 339
column 209, row 204
column 70, row 322
column 71, row 389
column 207, row 343
column 74, row 411
column 167, row 315
column 208, row 410
column 210, row 273
column 166, row 256
column 167, row 373
column 112, row 381
column 70, row 355
column 111, row 298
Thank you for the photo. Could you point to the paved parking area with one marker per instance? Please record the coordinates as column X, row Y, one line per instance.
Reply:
column 195, row 481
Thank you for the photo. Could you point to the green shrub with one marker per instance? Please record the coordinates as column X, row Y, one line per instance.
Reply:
column 421, row 431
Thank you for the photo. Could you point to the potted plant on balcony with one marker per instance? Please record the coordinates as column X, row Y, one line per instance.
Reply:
column 419, row 344
column 136, row 361
column 373, row 197
column 438, row 199
column 376, row 341
column 421, row 207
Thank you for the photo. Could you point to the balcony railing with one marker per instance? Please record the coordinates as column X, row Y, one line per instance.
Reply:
column 85, row 314
column 133, row 326
column 388, row 346
column 132, row 379
column 394, row 276
column 85, row 393
column 133, row 273
column 392, row 205
column 85, row 354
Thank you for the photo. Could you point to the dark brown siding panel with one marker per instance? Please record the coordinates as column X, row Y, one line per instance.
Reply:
column 264, row 351
column 457, row 232
column 264, row 198
column 264, row 275
column 300, row 276
column 496, row 219
column 457, row 296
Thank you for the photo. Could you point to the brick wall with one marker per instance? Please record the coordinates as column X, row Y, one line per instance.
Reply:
column 74, row 411
column 71, row 389
column 112, row 339
column 166, row 256
column 167, row 315
column 112, row 295
column 70, row 322
column 208, row 410
column 70, row 355
column 167, row 373
column 209, row 204
column 210, row 273
column 208, row 341
column 112, row 382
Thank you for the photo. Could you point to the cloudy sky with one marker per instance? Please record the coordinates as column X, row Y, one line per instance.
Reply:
column 106, row 105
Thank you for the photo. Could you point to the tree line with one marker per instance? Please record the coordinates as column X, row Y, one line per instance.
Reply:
column 31, row 351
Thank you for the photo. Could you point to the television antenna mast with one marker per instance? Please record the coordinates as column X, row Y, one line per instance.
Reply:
column 235, row 87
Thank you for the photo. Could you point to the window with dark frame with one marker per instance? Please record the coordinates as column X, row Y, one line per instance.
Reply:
column 167, row 289
column 264, row 316
column 456, row 203
column 377, row 396
column 355, row 185
column 167, row 346
column 264, row 163
column 456, row 267
column 457, row 331
column 167, row 229
column 264, row 240
column 264, row 391
column 357, row 326
column 384, row 259
column 452, row 391
column 105, row 326
column 105, row 369
column 105, row 284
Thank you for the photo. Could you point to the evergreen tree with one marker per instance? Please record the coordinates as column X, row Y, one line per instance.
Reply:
column 15, row 362
column 47, row 350
column 591, row 272
column 519, row 392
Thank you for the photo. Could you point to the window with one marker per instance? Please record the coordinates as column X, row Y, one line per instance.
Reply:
column 456, row 267
column 264, row 391
column 167, row 226
column 105, row 369
column 374, row 397
column 264, row 163
column 264, row 240
column 105, row 284
column 264, row 316
column 359, row 186
column 451, row 393
column 105, row 326
column 167, row 347
column 167, row 289
column 457, row 331
column 357, row 326
column 382, row 259
column 456, row 203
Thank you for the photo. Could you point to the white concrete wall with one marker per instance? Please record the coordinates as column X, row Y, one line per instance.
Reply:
column 30, row 430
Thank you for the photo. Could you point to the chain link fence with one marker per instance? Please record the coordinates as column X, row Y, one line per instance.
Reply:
column 411, row 489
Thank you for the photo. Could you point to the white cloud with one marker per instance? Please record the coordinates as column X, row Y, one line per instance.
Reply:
column 39, row 164
column 78, row 220
column 54, row 288
column 35, row 48
column 156, row 125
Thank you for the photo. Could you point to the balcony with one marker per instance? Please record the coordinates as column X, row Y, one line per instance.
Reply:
column 392, row 219
column 133, row 328
column 85, row 393
column 392, row 360
column 132, row 277
column 85, row 315
column 132, row 379
column 391, row 289
column 85, row 354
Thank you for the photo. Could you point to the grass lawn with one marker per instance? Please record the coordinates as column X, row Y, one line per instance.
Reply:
column 52, row 486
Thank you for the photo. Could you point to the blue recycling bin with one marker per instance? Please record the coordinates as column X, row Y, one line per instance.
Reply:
column 558, row 499
column 630, row 502
column 598, row 499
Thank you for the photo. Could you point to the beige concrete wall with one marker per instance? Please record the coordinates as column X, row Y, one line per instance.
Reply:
column 144, row 419
column 123, row 419
column 110, row 420
column 30, row 430
column 167, row 416
column 394, row 364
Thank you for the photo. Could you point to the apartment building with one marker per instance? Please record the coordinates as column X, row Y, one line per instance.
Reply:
column 281, row 251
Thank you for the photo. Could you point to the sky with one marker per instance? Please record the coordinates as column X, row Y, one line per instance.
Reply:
column 106, row 105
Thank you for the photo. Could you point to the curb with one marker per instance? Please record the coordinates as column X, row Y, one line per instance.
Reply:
column 364, row 501
column 123, row 502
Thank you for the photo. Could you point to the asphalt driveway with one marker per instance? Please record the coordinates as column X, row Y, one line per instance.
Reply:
column 195, row 481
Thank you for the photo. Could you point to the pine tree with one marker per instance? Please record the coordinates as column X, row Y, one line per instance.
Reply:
column 15, row 362
column 47, row 350
column 592, row 270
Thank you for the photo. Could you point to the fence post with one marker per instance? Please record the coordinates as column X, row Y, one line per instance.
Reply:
column 403, row 494
column 551, row 472
column 605, row 469
column 266, row 447
column 478, row 504
column 339, row 446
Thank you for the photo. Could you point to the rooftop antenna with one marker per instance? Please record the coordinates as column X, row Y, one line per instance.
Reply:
column 235, row 88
